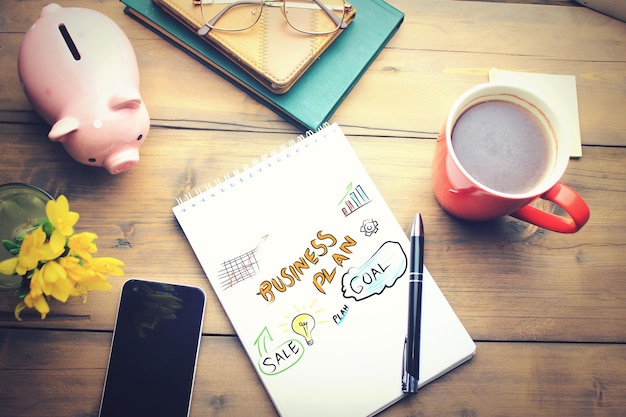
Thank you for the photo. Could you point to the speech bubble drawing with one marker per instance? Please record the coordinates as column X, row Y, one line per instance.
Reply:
column 381, row 271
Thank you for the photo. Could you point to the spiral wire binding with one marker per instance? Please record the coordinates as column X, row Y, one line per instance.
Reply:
column 248, row 172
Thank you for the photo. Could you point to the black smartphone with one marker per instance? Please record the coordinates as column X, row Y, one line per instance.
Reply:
column 154, row 350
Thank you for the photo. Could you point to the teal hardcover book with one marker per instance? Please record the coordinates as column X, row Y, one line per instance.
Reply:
column 320, row 91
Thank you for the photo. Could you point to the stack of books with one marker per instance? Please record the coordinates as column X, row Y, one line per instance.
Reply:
column 320, row 91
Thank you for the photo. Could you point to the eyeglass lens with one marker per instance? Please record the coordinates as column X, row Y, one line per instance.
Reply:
column 308, row 16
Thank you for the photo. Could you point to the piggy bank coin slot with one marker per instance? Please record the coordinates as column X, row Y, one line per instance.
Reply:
column 69, row 42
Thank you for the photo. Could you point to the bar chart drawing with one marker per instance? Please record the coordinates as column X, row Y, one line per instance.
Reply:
column 240, row 268
column 354, row 200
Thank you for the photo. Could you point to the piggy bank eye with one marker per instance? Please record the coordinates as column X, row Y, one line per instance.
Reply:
column 139, row 137
column 92, row 160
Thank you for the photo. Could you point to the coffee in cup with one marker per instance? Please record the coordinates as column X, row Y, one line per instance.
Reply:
column 503, row 146
column 500, row 148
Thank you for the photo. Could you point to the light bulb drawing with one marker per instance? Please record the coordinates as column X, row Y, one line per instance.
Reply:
column 303, row 324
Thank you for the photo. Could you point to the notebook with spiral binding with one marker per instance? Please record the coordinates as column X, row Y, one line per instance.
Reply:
column 310, row 265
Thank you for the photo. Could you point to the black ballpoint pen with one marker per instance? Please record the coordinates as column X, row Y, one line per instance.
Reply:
column 412, row 343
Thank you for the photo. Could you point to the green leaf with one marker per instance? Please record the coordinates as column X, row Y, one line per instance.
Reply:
column 48, row 228
column 10, row 245
column 24, row 288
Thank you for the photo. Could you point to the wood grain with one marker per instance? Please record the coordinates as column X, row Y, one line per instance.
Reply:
column 506, row 379
column 530, row 285
column 546, row 309
column 441, row 49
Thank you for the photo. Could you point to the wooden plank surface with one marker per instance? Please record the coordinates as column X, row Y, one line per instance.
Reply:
column 546, row 309
column 441, row 49
column 529, row 285
column 504, row 379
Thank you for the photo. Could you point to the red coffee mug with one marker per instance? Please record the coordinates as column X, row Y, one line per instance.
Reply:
column 464, row 196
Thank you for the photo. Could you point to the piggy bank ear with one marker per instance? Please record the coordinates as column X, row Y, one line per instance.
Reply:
column 125, row 101
column 50, row 8
column 63, row 127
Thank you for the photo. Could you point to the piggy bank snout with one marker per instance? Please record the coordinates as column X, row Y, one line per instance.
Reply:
column 121, row 161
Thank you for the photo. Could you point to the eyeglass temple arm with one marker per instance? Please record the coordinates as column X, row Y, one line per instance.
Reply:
column 209, row 25
column 338, row 21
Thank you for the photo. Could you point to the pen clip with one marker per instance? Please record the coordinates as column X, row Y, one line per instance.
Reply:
column 405, row 366
column 409, row 382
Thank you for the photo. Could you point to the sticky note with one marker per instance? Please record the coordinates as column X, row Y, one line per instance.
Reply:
column 558, row 91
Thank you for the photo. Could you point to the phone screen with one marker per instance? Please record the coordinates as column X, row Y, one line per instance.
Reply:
column 153, row 354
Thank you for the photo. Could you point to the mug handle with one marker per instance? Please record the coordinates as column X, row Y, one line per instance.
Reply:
column 564, row 197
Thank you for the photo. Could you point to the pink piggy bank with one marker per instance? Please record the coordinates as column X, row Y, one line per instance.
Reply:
column 79, row 71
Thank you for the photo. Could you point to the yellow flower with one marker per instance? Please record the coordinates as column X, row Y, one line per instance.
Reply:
column 28, row 257
column 35, row 298
column 55, row 246
column 90, row 283
column 75, row 271
column 82, row 244
column 53, row 280
column 106, row 265
column 31, row 251
column 58, row 263
column 35, row 249
column 7, row 267
column 39, row 303
column 60, row 216
column 92, row 275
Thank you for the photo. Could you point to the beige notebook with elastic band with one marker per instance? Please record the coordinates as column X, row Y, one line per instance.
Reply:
column 273, row 41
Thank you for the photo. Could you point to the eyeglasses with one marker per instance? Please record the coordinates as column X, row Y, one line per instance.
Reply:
column 313, row 17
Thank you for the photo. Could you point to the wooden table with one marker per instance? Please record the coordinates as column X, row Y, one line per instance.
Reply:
column 548, row 311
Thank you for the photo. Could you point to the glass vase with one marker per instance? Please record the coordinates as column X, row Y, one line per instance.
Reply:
column 22, row 208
